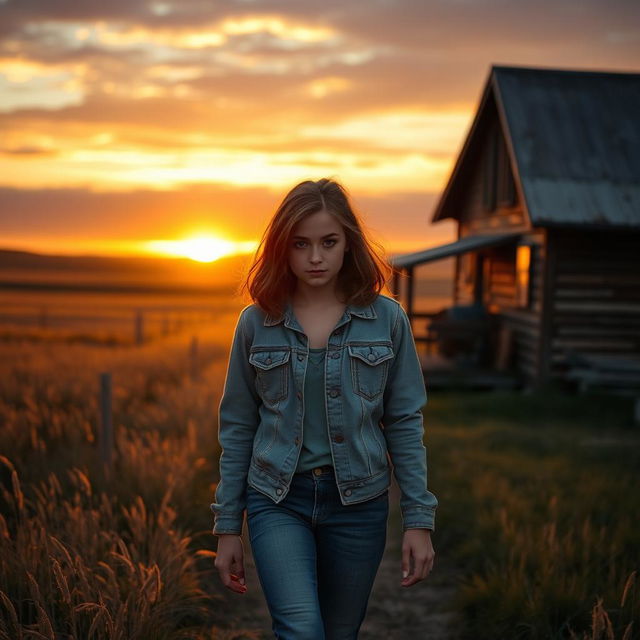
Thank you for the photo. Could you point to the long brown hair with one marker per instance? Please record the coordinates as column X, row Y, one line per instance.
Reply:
column 364, row 272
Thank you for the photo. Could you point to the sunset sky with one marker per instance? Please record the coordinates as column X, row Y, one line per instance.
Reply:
column 129, row 122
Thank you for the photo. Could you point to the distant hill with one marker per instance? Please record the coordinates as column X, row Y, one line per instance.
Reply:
column 28, row 270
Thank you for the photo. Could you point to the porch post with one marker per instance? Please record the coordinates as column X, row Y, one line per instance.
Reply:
column 410, row 291
column 395, row 283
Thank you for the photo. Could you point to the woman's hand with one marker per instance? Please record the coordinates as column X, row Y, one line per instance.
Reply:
column 417, row 556
column 229, row 562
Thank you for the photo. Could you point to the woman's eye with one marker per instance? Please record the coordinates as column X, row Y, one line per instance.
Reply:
column 301, row 244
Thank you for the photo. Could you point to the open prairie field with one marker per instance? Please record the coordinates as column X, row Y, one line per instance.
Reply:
column 537, row 531
column 126, row 553
column 110, row 318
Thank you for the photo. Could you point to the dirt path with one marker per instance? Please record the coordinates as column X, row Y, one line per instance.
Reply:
column 422, row 611
column 394, row 612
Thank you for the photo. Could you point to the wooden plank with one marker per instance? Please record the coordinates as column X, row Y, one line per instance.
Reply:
column 596, row 344
column 598, row 318
column 621, row 307
column 596, row 332
column 603, row 293
column 622, row 280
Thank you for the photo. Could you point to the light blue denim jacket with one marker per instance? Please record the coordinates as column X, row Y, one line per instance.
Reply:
column 374, row 395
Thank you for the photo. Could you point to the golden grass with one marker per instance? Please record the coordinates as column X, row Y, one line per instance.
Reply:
column 77, row 563
column 87, row 554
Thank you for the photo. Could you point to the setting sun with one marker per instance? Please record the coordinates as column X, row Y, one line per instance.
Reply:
column 202, row 248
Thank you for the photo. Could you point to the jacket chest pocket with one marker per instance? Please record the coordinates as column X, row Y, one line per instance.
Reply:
column 272, row 371
column 369, row 367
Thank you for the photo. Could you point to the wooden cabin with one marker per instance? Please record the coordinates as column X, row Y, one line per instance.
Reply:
column 546, row 195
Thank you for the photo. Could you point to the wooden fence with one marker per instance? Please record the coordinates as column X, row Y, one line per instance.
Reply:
column 136, row 324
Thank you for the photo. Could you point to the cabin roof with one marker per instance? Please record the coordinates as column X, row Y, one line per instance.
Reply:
column 573, row 138
column 463, row 245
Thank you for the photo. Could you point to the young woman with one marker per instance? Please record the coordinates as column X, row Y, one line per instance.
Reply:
column 322, row 397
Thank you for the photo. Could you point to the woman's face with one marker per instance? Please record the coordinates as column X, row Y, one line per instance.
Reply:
column 316, row 250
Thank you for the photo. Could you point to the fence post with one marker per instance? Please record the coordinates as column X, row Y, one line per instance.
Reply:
column 105, row 435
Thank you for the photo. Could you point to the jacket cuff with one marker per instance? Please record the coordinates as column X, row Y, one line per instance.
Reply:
column 418, row 518
column 227, row 523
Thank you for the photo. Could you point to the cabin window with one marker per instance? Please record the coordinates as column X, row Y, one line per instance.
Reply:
column 523, row 275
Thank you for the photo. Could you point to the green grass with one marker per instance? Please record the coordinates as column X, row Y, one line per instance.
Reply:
column 539, row 507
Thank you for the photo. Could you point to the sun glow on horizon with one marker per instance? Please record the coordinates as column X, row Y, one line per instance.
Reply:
column 201, row 247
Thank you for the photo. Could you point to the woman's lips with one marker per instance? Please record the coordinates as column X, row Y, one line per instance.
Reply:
column 316, row 272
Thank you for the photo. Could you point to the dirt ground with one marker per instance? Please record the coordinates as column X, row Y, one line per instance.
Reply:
column 394, row 612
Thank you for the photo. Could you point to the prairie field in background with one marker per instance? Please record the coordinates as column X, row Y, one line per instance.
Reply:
column 538, row 493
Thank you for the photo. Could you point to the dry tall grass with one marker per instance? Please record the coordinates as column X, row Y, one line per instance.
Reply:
column 75, row 564
column 127, row 554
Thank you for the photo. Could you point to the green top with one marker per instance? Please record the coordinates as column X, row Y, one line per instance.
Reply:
column 316, row 450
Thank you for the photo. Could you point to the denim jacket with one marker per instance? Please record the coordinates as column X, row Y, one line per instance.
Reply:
column 374, row 393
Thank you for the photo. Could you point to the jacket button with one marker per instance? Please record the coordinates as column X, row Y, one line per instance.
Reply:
column 279, row 491
column 335, row 354
column 334, row 393
column 300, row 356
column 371, row 357
column 298, row 395
column 347, row 492
column 268, row 361
column 338, row 438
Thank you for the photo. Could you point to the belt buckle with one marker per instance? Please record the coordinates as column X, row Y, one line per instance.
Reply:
column 317, row 471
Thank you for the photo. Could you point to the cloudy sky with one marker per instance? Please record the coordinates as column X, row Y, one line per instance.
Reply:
column 128, row 121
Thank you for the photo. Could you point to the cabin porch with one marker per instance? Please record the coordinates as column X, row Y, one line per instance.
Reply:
column 460, row 346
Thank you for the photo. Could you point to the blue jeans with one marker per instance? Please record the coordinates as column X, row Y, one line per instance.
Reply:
column 316, row 558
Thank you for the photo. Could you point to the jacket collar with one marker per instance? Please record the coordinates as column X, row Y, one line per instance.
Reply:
column 366, row 311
